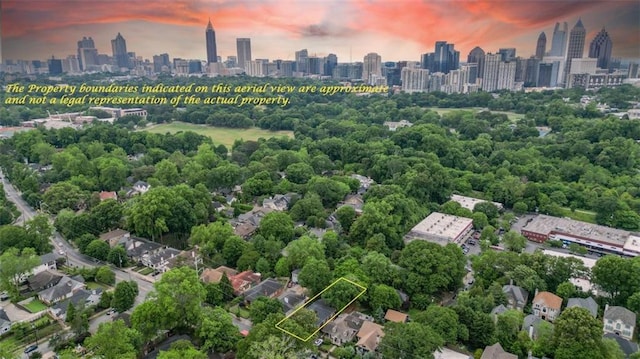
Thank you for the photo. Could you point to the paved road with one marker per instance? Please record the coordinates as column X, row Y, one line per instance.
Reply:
column 74, row 258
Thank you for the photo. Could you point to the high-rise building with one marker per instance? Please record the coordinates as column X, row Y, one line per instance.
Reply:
column 87, row 53
column 559, row 40
column 302, row 61
column 212, row 50
column 601, row 49
column 71, row 65
column 444, row 59
column 532, row 69
column 243, row 46
column 414, row 80
column 371, row 67
column 507, row 54
column 498, row 74
column 161, row 63
column 541, row 46
column 575, row 48
column 55, row 66
column 476, row 56
column 119, row 49
column 286, row 68
column 330, row 62
column 316, row 65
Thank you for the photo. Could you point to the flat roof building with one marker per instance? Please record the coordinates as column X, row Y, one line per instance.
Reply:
column 470, row 202
column 611, row 240
column 440, row 228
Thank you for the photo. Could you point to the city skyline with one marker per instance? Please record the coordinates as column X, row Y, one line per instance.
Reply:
column 350, row 29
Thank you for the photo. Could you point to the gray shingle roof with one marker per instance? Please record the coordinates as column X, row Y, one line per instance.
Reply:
column 586, row 303
column 265, row 288
column 620, row 313
column 519, row 294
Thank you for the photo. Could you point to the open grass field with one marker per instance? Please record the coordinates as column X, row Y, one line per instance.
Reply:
column 580, row 215
column 35, row 306
column 219, row 135
column 513, row 117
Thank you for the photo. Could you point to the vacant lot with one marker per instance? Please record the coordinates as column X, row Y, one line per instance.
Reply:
column 219, row 135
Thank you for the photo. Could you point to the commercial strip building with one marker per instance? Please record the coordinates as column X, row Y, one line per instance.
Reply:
column 595, row 237
column 441, row 228
column 470, row 202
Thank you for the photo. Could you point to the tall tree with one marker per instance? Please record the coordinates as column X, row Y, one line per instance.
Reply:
column 217, row 331
column 409, row 340
column 182, row 349
column 180, row 295
column 578, row 335
column 15, row 265
column 114, row 340
column 124, row 296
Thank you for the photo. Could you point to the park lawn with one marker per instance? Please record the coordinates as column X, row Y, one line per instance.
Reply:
column 513, row 117
column 241, row 312
column 579, row 215
column 35, row 306
column 219, row 135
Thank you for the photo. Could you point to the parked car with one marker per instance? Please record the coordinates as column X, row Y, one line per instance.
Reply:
column 318, row 342
column 4, row 296
column 111, row 311
column 30, row 349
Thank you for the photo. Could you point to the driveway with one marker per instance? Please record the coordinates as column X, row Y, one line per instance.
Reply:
column 16, row 314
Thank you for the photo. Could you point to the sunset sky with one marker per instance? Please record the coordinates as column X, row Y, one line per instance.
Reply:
column 397, row 30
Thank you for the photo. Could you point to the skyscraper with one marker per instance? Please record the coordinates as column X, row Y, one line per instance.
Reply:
column 444, row 59
column 498, row 74
column 559, row 40
column 601, row 49
column 541, row 46
column 371, row 66
column 302, row 61
column 575, row 49
column 243, row 46
column 330, row 62
column 87, row 53
column 507, row 54
column 212, row 51
column 119, row 48
column 476, row 56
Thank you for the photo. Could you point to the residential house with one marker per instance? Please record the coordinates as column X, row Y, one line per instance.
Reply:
column 230, row 199
column 369, row 337
column 323, row 311
column 294, row 276
column 344, row 328
column 185, row 259
column 365, row 182
column 586, row 303
column 243, row 281
column 159, row 259
column 291, row 300
column 516, row 296
column 619, row 321
column 496, row 311
column 217, row 206
column 531, row 325
column 139, row 187
column 86, row 297
column 47, row 262
column 247, row 223
column 546, row 306
column 627, row 347
column 279, row 202
column 43, row 280
column 136, row 248
column 496, row 352
column 354, row 201
column 215, row 275
column 270, row 288
column 114, row 237
column 245, row 230
column 108, row 195
column 5, row 322
column 395, row 316
column 404, row 297
column 393, row 126
column 61, row 291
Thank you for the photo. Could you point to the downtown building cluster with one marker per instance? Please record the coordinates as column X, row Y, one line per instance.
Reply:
column 561, row 64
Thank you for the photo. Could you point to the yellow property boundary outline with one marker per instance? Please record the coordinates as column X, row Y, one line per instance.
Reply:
column 364, row 289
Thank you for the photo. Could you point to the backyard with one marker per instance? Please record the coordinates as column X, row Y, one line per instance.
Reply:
column 35, row 306
column 219, row 135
